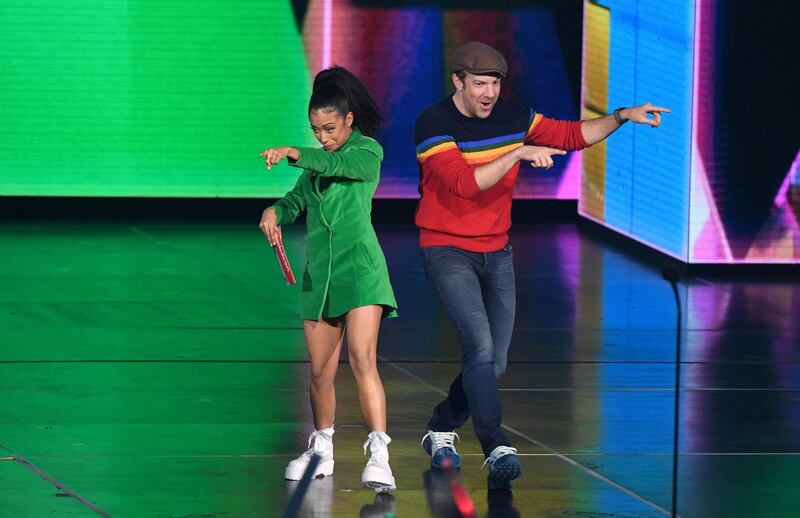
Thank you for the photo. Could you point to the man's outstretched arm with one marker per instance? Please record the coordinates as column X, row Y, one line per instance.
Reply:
column 487, row 175
column 595, row 130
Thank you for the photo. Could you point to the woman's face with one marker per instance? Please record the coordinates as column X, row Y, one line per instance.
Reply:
column 330, row 127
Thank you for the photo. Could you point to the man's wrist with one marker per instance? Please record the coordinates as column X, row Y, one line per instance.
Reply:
column 618, row 116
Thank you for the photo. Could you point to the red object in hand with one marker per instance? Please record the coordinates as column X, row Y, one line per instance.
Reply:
column 283, row 259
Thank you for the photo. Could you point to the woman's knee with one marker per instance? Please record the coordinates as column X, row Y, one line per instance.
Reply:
column 363, row 364
column 322, row 377
column 322, row 386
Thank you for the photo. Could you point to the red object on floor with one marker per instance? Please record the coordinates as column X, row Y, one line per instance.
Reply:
column 461, row 497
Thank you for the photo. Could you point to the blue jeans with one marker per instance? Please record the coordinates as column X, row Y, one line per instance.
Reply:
column 478, row 292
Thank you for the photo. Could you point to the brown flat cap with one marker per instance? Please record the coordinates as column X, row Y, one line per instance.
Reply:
column 479, row 59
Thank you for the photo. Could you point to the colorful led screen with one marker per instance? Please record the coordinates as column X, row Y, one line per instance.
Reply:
column 718, row 182
column 159, row 98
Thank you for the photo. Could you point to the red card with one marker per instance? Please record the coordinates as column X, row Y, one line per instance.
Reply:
column 283, row 259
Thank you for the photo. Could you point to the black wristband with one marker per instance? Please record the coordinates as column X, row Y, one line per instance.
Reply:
column 618, row 117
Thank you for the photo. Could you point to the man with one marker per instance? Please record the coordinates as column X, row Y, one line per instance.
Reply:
column 469, row 147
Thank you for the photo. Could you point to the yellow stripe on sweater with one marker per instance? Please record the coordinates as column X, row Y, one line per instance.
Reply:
column 483, row 157
column 439, row 148
column 535, row 122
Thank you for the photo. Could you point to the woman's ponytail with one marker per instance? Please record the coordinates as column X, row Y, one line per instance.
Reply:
column 338, row 88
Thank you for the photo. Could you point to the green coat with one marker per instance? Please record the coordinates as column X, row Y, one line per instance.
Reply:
column 346, row 267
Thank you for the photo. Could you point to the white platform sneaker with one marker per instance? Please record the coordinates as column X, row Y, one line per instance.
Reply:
column 377, row 474
column 321, row 443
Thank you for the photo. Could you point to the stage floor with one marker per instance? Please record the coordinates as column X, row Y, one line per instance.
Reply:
column 159, row 370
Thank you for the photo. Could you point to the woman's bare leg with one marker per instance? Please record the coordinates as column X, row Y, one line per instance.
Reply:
column 363, row 324
column 324, row 344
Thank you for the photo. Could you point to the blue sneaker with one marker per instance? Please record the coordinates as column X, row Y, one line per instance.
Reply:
column 504, row 467
column 441, row 446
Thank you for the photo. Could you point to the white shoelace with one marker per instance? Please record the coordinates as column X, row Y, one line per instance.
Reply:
column 317, row 438
column 500, row 451
column 378, row 447
column 441, row 440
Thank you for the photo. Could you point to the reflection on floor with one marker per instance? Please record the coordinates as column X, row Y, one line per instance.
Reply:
column 159, row 370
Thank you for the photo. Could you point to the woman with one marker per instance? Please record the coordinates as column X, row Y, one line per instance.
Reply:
column 345, row 284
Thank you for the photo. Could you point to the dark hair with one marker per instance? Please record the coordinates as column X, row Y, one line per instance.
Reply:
column 339, row 89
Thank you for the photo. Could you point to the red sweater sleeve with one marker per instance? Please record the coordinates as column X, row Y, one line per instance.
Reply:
column 446, row 164
column 556, row 134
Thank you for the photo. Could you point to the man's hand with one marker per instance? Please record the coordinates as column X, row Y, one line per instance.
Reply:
column 595, row 130
column 539, row 156
column 487, row 175
column 639, row 114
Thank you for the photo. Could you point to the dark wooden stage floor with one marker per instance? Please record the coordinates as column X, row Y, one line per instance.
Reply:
column 158, row 370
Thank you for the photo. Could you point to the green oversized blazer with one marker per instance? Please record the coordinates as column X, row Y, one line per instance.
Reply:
column 346, row 267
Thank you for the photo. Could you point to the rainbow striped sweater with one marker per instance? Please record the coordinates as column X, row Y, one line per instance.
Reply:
column 452, row 210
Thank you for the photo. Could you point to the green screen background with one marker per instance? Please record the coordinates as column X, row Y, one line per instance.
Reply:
column 149, row 98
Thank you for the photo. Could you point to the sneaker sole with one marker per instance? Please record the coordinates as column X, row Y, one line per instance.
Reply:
column 506, row 471
column 378, row 481
column 324, row 469
column 379, row 487
column 502, row 476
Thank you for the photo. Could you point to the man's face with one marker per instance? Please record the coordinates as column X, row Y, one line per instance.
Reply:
column 478, row 94
column 330, row 127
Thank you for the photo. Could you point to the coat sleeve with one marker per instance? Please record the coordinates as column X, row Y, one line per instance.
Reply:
column 361, row 162
column 293, row 202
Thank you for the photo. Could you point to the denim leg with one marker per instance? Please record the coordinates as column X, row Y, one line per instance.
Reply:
column 456, row 275
column 500, row 299
column 453, row 412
